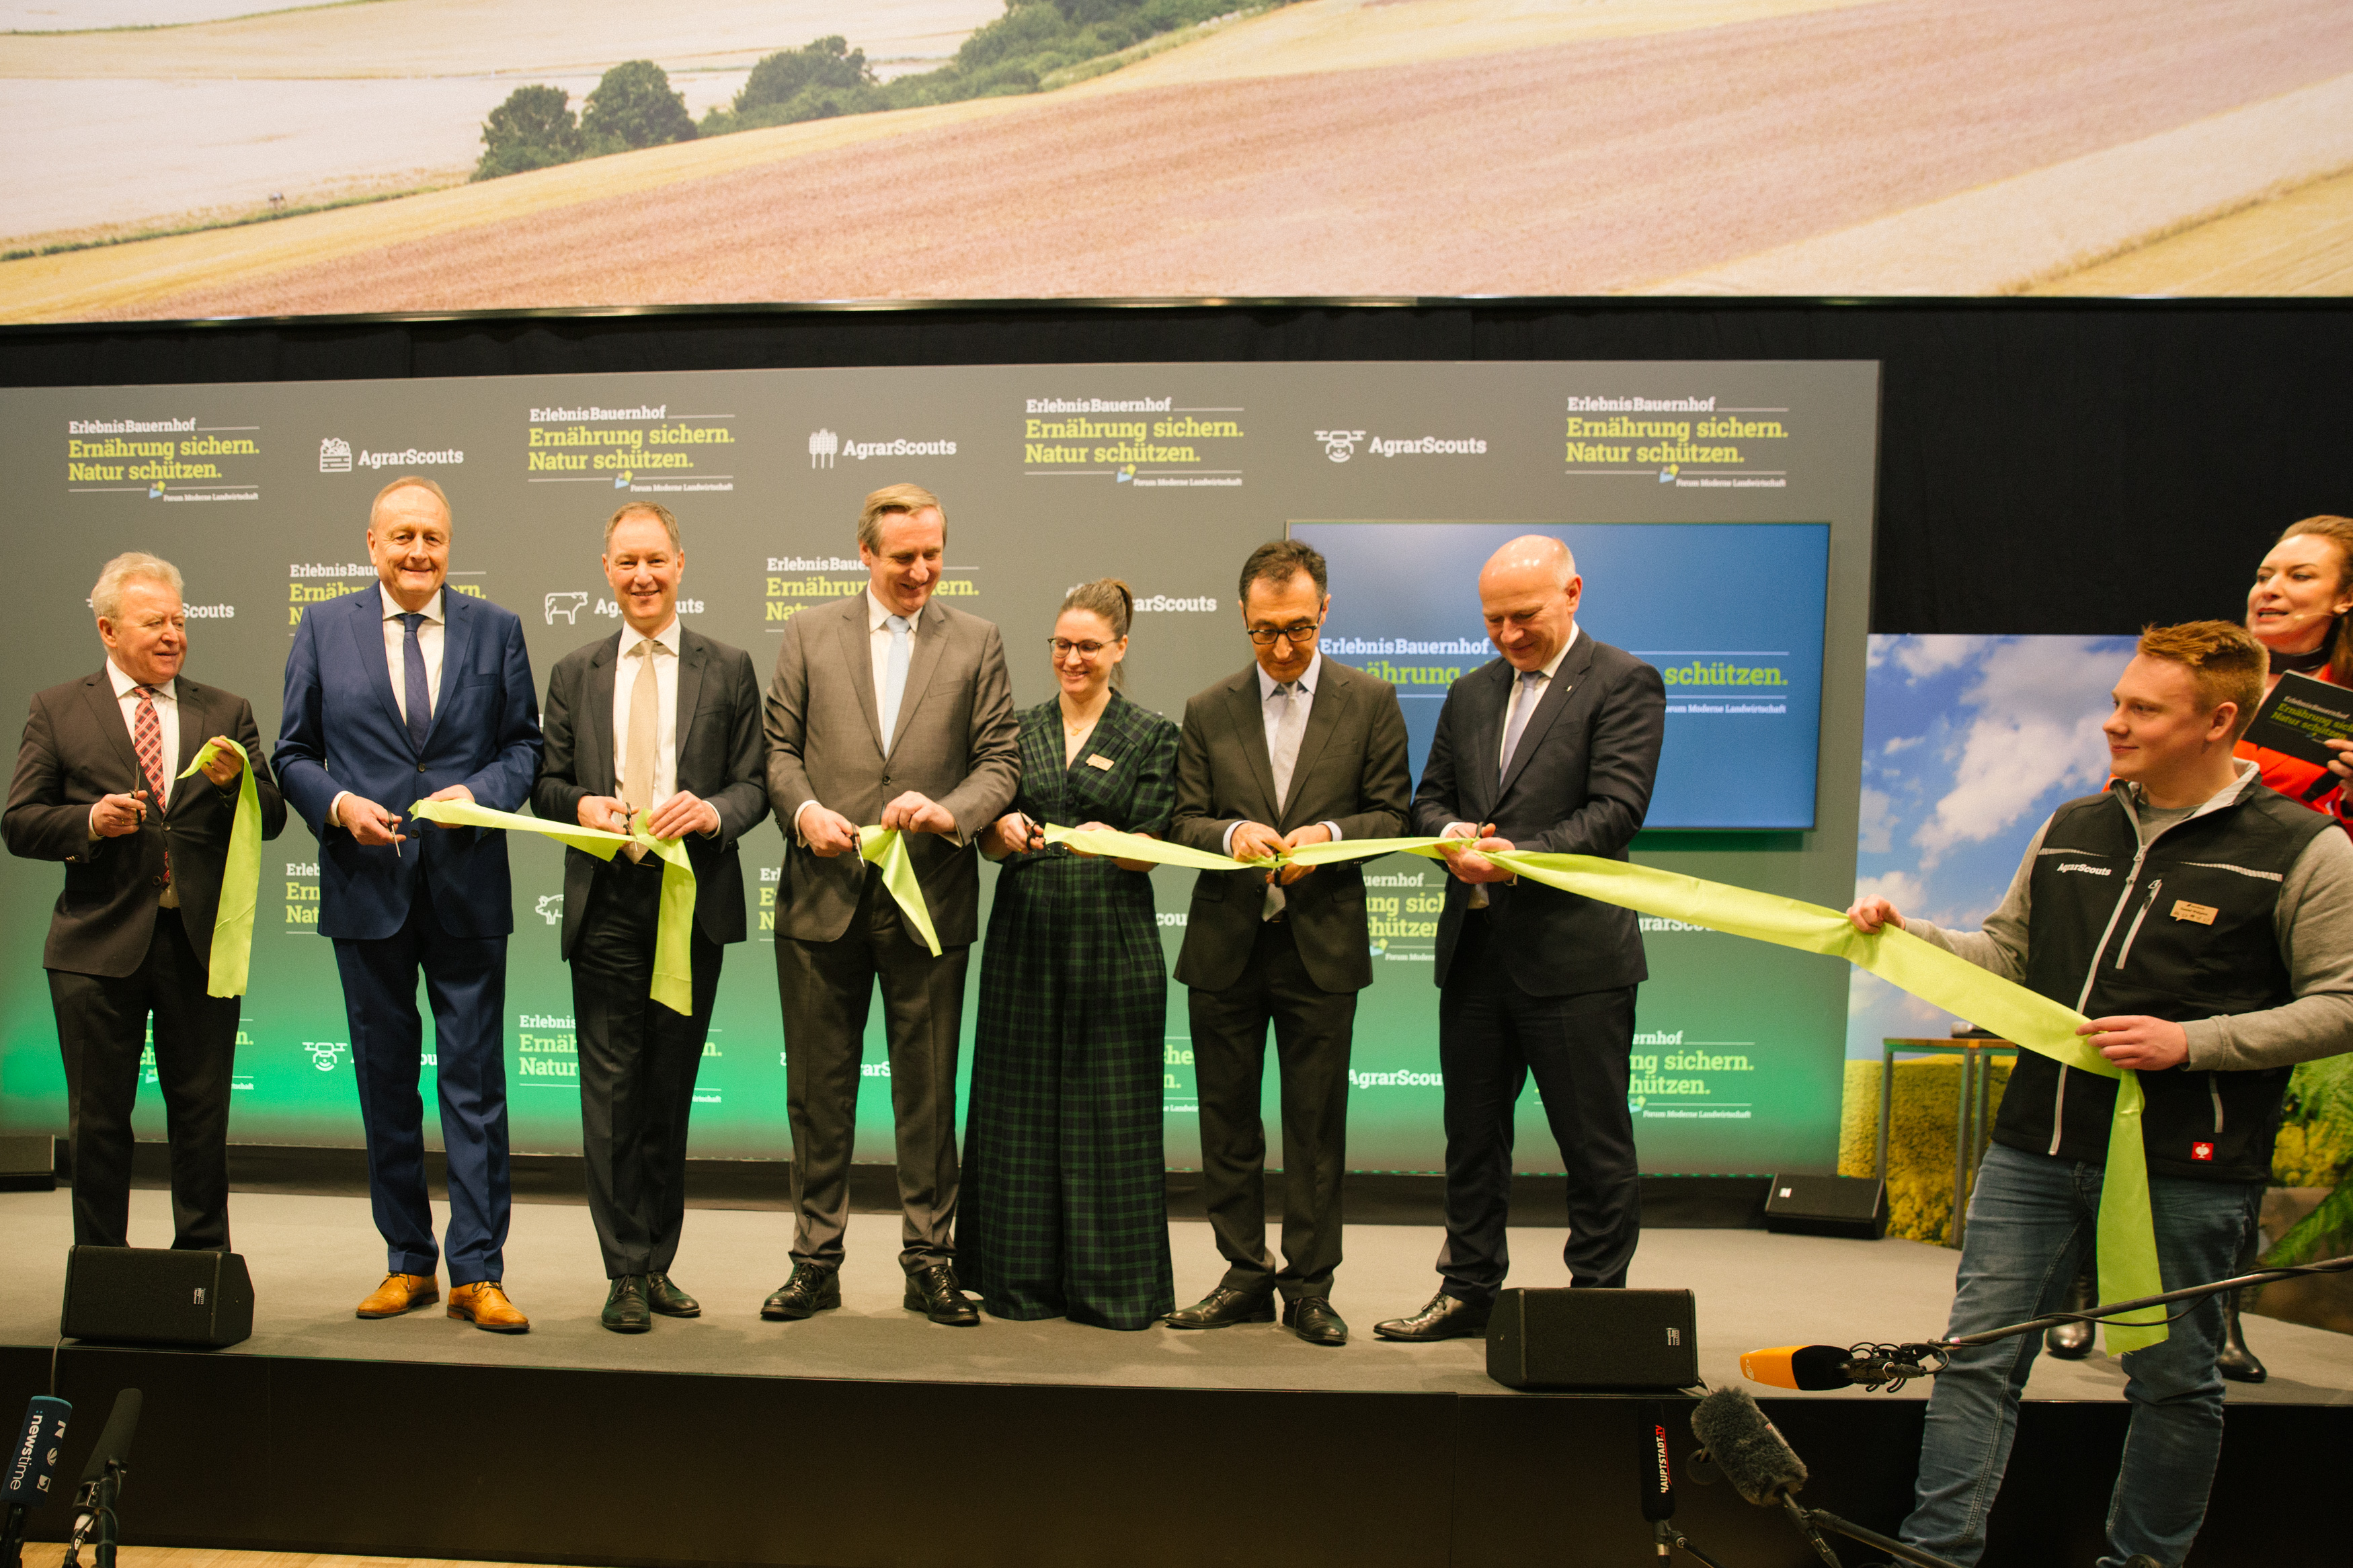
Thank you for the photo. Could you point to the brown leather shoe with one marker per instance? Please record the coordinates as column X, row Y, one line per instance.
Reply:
column 486, row 1306
column 400, row 1293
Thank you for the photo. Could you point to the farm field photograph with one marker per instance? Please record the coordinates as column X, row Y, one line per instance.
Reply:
column 180, row 159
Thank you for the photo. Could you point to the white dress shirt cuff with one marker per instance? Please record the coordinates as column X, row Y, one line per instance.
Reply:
column 800, row 837
column 335, row 808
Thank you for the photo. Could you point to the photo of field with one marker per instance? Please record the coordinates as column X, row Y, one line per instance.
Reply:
column 1326, row 148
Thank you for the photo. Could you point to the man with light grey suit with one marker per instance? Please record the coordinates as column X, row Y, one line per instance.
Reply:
column 885, row 707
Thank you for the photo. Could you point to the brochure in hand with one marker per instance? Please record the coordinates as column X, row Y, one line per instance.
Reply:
column 2301, row 714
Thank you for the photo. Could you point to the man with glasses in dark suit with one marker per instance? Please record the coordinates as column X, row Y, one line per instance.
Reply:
column 1296, row 749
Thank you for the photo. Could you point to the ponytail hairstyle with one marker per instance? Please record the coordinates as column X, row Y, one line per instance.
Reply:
column 2338, row 531
column 1114, row 602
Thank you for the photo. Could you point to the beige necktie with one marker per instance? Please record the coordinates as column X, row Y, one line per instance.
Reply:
column 643, row 749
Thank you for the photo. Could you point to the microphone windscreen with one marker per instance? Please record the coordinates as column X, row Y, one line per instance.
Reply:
column 41, row 1437
column 114, row 1442
column 1746, row 1447
column 1810, row 1367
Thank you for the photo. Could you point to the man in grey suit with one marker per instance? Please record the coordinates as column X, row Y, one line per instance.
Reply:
column 677, row 741
column 885, row 707
column 1552, row 748
column 97, row 787
column 1296, row 749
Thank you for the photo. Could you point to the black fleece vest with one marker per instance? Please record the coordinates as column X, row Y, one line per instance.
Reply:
column 2182, row 930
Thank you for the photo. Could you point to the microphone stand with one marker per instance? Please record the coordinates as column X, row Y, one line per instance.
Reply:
column 12, row 1537
column 2193, row 1293
column 98, row 1513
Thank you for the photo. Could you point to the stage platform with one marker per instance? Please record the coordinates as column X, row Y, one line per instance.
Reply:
column 870, row 1435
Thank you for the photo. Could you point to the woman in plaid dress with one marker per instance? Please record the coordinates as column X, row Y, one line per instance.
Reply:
column 1064, row 1207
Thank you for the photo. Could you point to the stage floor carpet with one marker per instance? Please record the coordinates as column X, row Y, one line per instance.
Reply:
column 313, row 1257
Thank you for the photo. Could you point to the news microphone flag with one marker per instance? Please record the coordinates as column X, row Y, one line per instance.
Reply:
column 40, row 1438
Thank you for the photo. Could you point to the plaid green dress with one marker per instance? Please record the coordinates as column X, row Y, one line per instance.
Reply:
column 1064, row 1212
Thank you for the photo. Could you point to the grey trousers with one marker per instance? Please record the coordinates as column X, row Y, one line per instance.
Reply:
column 827, row 988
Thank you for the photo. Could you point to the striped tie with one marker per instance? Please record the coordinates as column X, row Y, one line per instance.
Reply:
column 147, row 740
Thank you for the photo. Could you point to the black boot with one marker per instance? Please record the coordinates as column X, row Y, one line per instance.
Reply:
column 2235, row 1361
column 2073, row 1342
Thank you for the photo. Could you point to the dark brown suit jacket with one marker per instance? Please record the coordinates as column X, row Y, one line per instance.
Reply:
column 77, row 750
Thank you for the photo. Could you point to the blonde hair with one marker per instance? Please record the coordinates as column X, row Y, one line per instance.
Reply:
column 131, row 566
column 411, row 483
column 2338, row 531
column 2224, row 659
column 891, row 499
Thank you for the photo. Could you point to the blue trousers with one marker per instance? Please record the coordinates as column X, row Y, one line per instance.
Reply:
column 2032, row 1220
column 466, row 981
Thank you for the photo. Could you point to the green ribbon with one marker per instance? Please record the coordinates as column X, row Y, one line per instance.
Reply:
column 673, row 982
column 886, row 847
column 240, row 884
column 2128, row 1246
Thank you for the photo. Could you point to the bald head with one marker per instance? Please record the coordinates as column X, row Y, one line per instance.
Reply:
column 1529, row 592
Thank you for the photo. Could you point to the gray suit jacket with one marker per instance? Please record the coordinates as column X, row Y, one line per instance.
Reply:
column 958, row 742
column 1351, row 771
column 78, row 750
column 719, row 758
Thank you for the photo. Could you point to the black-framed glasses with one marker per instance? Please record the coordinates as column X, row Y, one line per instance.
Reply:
column 1297, row 632
column 1063, row 647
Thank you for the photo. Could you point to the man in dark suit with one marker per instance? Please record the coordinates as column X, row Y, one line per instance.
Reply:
column 664, row 721
column 890, row 707
column 401, row 691
column 1296, row 749
column 97, row 787
column 1552, row 748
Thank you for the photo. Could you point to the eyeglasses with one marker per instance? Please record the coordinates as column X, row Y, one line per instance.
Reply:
column 1302, row 632
column 1063, row 647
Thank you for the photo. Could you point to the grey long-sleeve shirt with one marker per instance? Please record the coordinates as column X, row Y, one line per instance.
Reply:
column 2313, row 922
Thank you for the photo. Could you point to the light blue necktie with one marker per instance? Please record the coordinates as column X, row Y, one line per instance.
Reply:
column 1521, row 710
column 894, row 675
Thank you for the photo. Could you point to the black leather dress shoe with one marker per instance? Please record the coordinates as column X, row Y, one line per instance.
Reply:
column 1313, row 1320
column 1446, row 1318
column 933, row 1292
column 2073, row 1342
column 626, row 1312
column 670, row 1300
column 814, row 1288
column 1221, row 1309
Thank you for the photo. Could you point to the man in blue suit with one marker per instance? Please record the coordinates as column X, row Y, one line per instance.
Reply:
column 401, row 691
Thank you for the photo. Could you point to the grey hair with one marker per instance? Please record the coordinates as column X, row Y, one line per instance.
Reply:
column 661, row 514
column 131, row 566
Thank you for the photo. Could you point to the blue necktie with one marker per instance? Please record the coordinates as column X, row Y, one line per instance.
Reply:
column 895, row 677
column 1521, row 710
column 420, row 702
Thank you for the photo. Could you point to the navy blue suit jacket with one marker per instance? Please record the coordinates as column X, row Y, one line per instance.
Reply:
column 341, row 729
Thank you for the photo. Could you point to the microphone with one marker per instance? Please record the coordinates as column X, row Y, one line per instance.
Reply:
column 94, row 1502
column 1746, row 1447
column 1658, row 1479
column 33, row 1458
column 114, row 1440
column 1814, row 1368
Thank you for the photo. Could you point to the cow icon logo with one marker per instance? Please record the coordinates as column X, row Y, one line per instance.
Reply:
column 567, row 603
column 823, row 446
column 550, row 906
column 334, row 456
column 1340, row 445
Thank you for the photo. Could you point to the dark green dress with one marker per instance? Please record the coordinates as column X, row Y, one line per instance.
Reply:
column 1064, row 1211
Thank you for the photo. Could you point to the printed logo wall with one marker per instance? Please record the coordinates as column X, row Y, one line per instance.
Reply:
column 1165, row 476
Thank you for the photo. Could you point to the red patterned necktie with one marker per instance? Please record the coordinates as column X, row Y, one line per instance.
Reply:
column 147, row 740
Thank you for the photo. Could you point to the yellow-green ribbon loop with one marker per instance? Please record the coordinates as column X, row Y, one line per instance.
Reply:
column 2128, row 1246
column 887, row 848
column 673, row 978
column 240, row 884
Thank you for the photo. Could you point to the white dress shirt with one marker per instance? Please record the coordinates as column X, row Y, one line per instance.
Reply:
column 1271, row 717
column 395, row 658
column 878, row 644
column 625, row 682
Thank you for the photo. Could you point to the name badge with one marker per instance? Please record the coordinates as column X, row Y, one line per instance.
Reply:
column 1100, row 761
column 2183, row 909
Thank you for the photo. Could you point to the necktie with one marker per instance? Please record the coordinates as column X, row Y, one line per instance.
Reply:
column 419, row 699
column 1524, row 704
column 642, row 750
column 147, row 740
column 1283, row 751
column 895, row 677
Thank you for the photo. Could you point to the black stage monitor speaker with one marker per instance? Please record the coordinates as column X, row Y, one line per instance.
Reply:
column 148, row 1296
column 28, row 1163
column 1826, row 1205
column 1593, row 1339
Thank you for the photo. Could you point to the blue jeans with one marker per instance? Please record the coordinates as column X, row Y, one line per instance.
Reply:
column 2032, row 1221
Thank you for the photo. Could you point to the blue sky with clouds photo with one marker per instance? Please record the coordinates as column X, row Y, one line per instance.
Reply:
column 1968, row 743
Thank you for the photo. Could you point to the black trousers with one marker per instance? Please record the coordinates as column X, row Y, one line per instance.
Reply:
column 1313, row 1029
column 638, row 1063
column 1490, row 1036
column 827, row 989
column 101, row 1029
